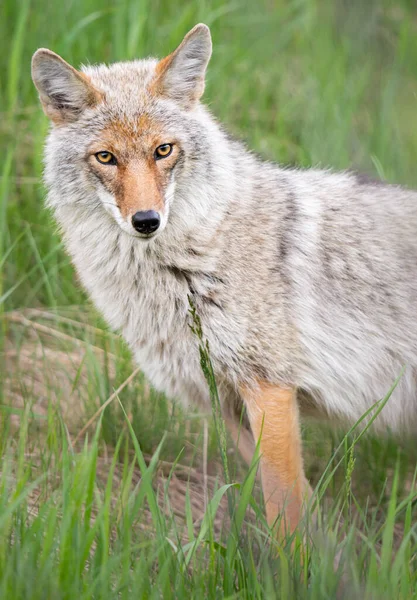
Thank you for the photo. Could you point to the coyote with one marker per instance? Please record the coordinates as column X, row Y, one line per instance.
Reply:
column 304, row 280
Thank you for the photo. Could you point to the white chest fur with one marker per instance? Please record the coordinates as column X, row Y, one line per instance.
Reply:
column 143, row 299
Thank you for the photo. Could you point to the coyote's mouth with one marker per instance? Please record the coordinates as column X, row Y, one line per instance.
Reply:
column 145, row 237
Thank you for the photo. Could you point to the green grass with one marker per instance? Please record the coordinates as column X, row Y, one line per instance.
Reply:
column 305, row 82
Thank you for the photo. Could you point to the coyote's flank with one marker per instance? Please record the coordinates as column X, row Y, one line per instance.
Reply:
column 304, row 281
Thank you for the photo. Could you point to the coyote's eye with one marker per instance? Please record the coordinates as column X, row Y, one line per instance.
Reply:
column 163, row 151
column 105, row 158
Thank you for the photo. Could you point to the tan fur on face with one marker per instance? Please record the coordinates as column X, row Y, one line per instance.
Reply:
column 139, row 187
column 138, row 181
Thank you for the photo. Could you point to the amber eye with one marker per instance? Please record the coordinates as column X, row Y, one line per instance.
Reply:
column 106, row 158
column 163, row 151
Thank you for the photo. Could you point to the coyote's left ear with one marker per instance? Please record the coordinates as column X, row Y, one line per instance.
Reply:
column 180, row 76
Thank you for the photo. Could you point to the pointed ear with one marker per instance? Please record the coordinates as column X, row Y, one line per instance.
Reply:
column 63, row 91
column 180, row 76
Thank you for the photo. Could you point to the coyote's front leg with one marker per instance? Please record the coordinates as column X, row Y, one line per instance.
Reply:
column 273, row 415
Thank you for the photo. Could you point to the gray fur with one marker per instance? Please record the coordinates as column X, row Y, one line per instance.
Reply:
column 304, row 278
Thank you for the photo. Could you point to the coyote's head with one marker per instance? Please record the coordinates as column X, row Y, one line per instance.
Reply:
column 125, row 136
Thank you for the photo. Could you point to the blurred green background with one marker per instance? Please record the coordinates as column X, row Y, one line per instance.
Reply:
column 306, row 82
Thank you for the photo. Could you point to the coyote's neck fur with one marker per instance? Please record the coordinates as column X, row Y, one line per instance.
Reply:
column 301, row 278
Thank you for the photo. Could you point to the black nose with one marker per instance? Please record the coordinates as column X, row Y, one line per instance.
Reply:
column 146, row 221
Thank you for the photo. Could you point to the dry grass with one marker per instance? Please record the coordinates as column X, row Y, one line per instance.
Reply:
column 42, row 364
column 47, row 367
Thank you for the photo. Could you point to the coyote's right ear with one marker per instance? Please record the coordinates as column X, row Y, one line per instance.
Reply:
column 64, row 92
column 180, row 76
